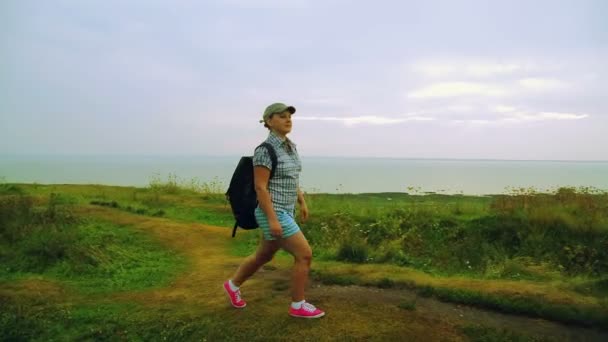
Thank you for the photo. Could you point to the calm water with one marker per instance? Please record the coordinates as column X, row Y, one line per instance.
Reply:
column 333, row 175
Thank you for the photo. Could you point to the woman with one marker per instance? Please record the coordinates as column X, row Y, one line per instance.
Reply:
column 277, row 198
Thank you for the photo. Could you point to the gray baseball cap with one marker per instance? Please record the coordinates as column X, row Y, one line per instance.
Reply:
column 277, row 108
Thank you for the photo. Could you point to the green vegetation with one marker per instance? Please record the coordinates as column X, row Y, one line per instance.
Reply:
column 521, row 305
column 537, row 254
column 524, row 235
column 483, row 334
column 24, row 321
column 407, row 305
column 46, row 238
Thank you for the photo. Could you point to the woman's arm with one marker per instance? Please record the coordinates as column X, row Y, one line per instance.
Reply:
column 303, row 207
column 261, row 175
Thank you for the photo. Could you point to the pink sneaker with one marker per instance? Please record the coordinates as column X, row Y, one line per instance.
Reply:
column 306, row 311
column 235, row 296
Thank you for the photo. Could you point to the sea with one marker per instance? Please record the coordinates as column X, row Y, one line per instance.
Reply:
column 319, row 174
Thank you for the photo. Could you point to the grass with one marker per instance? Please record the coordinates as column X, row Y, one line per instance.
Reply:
column 523, row 298
column 528, row 253
column 526, row 305
column 407, row 305
column 107, row 322
column 478, row 333
column 525, row 234
column 91, row 256
column 119, row 259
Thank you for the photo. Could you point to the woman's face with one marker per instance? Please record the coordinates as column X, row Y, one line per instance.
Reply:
column 280, row 122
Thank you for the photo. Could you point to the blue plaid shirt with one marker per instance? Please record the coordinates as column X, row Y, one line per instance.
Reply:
column 283, row 186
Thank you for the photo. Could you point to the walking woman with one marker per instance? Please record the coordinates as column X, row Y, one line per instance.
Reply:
column 277, row 197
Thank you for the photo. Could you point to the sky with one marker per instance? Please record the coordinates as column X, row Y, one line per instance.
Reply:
column 523, row 80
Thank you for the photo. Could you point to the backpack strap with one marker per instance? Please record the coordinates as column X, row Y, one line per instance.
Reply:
column 234, row 230
column 273, row 157
column 274, row 160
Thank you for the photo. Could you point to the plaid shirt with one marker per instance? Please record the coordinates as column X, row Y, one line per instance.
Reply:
column 283, row 186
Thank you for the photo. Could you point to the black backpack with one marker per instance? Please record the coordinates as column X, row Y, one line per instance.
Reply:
column 241, row 192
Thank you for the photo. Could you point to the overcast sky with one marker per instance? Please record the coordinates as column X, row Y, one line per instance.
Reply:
column 412, row 79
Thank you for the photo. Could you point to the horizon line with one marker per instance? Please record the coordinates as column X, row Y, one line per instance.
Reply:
column 309, row 156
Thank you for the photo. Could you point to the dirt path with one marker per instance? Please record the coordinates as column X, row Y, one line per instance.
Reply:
column 353, row 312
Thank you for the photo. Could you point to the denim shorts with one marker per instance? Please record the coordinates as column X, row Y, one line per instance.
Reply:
column 287, row 221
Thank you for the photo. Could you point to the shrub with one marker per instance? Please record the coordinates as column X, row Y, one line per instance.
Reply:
column 39, row 236
column 578, row 258
column 353, row 251
column 15, row 216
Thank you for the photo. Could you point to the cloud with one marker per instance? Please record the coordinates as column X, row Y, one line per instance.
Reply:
column 482, row 89
column 267, row 4
column 456, row 89
column 484, row 70
column 514, row 116
column 542, row 84
column 503, row 109
column 326, row 101
column 473, row 122
column 434, row 70
column 473, row 69
column 370, row 119
column 460, row 108
column 543, row 116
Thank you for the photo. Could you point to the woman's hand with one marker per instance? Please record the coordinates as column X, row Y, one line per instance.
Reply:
column 275, row 229
column 303, row 206
column 304, row 212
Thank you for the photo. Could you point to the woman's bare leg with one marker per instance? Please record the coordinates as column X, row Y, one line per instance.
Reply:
column 298, row 246
column 252, row 263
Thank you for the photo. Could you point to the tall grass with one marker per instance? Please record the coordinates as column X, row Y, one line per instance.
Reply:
column 510, row 236
column 213, row 189
column 41, row 236
column 32, row 238
column 174, row 185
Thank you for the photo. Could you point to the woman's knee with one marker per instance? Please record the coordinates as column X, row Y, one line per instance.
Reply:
column 304, row 256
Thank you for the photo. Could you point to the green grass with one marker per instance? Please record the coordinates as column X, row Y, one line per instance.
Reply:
column 119, row 259
column 409, row 305
column 559, row 238
column 23, row 321
column 513, row 304
column 565, row 232
column 335, row 279
column 524, row 305
column 523, row 235
column 485, row 334
column 91, row 256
